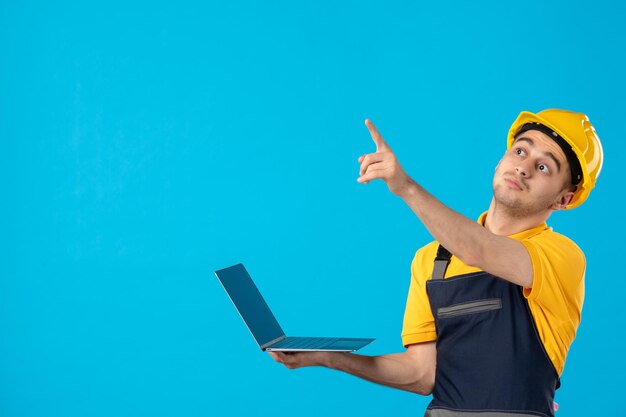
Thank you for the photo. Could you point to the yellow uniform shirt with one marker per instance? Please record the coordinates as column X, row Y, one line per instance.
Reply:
column 555, row 299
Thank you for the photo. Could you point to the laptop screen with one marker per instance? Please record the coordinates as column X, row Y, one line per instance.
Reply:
column 250, row 304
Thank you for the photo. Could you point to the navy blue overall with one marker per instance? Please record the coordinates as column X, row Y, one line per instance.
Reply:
column 490, row 360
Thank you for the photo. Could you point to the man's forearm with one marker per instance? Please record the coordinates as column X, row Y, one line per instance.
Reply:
column 395, row 370
column 468, row 240
column 457, row 233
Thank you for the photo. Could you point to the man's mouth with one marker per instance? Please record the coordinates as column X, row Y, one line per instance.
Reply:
column 514, row 183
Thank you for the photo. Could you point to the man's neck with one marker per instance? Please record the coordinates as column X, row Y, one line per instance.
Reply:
column 501, row 222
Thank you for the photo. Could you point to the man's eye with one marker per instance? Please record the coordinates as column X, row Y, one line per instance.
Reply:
column 543, row 168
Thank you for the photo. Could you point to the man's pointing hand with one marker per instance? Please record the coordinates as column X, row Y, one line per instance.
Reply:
column 383, row 164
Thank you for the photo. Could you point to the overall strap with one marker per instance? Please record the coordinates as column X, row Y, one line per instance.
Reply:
column 441, row 262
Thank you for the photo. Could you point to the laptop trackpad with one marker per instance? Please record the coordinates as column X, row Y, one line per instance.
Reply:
column 345, row 344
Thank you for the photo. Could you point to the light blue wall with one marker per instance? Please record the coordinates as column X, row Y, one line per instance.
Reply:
column 146, row 144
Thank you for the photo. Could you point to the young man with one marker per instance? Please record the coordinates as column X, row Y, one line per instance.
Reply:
column 493, row 305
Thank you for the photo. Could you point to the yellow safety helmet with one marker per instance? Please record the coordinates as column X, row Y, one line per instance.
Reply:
column 579, row 133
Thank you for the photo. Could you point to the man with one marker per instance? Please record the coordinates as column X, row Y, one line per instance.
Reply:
column 493, row 305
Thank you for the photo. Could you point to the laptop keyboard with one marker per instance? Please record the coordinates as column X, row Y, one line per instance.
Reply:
column 305, row 342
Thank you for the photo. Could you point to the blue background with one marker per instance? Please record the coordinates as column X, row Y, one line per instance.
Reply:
column 145, row 145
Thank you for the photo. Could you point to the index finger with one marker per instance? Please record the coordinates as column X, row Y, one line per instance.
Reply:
column 376, row 136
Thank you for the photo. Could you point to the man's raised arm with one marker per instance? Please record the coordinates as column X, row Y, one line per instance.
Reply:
column 473, row 244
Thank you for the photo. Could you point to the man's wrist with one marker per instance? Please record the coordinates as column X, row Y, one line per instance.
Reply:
column 410, row 189
column 333, row 360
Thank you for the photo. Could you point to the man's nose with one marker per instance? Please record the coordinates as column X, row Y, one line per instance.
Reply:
column 523, row 169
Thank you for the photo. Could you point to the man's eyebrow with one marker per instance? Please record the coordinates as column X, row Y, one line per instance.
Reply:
column 548, row 154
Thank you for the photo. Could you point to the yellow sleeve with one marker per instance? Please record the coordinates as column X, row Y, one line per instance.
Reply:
column 419, row 323
column 557, row 294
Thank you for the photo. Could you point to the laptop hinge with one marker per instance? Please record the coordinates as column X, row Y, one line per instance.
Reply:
column 265, row 345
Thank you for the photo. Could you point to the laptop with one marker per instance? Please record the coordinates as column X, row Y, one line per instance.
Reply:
column 263, row 325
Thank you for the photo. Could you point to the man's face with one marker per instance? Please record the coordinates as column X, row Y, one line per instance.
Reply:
column 532, row 175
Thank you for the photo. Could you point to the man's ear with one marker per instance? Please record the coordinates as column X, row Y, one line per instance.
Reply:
column 563, row 201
